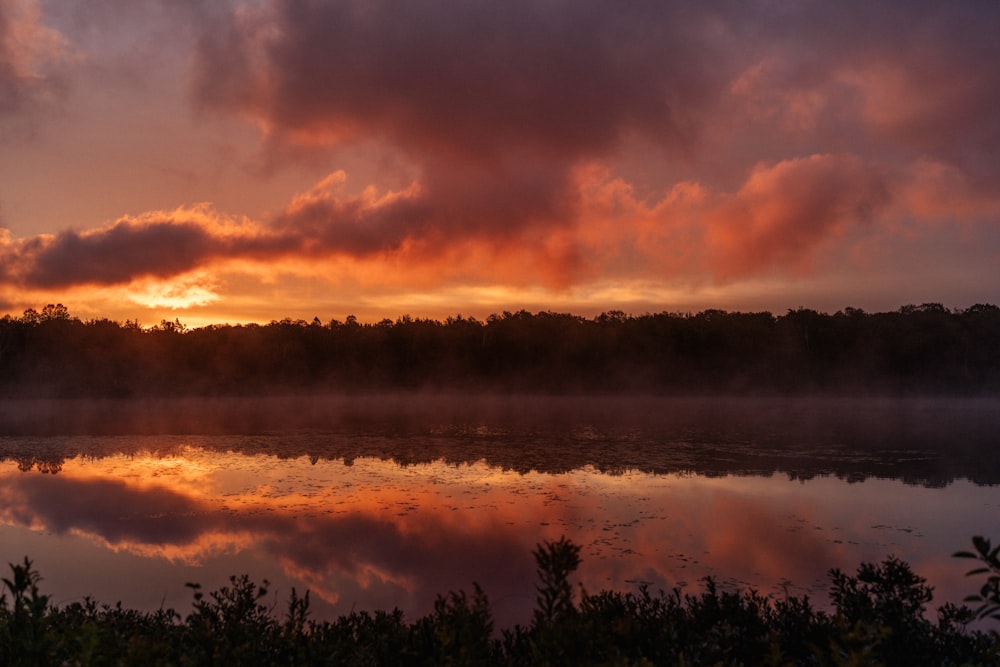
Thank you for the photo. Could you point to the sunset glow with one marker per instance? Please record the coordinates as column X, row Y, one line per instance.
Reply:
column 248, row 161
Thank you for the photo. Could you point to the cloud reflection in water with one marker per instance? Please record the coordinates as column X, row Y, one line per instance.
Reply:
column 374, row 534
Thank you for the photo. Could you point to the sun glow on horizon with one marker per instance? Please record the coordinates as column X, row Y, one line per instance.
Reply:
column 178, row 294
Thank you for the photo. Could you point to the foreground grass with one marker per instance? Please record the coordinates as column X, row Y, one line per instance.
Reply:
column 878, row 618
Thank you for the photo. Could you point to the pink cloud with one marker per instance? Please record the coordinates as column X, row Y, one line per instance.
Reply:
column 784, row 211
column 939, row 192
column 31, row 57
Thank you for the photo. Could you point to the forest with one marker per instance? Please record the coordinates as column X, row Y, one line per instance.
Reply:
column 925, row 349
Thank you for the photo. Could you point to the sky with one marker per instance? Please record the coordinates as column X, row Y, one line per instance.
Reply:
column 244, row 161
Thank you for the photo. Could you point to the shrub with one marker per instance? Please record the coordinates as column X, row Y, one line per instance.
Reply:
column 878, row 619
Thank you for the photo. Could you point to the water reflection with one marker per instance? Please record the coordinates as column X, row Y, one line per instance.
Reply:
column 377, row 503
column 370, row 533
column 919, row 441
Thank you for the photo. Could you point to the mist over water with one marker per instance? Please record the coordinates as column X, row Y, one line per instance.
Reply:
column 387, row 500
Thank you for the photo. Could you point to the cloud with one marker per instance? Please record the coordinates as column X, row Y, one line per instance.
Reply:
column 471, row 81
column 501, row 105
column 496, row 105
column 31, row 56
column 157, row 244
column 891, row 80
column 551, row 143
column 784, row 211
column 940, row 192
column 418, row 225
column 437, row 212
column 778, row 219
column 119, row 253
column 476, row 82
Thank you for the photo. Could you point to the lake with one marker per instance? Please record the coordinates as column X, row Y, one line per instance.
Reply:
column 375, row 502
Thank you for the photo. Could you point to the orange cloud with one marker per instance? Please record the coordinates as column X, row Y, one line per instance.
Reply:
column 783, row 212
column 785, row 218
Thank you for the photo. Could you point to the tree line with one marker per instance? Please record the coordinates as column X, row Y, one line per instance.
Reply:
column 915, row 349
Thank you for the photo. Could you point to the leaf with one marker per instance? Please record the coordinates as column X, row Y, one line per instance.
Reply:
column 964, row 554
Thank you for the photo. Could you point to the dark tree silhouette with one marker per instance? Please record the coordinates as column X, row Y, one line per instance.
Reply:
column 916, row 349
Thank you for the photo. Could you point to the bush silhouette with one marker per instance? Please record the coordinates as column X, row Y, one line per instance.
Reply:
column 878, row 618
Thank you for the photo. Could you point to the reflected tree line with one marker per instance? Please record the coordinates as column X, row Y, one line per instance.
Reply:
column 919, row 469
column 915, row 349
column 918, row 441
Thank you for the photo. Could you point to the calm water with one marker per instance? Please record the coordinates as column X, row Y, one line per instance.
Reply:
column 385, row 502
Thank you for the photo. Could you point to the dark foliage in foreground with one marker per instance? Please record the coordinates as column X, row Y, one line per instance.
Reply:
column 878, row 619
column 989, row 595
column 926, row 348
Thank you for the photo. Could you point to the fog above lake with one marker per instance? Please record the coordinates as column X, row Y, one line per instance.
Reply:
column 923, row 441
